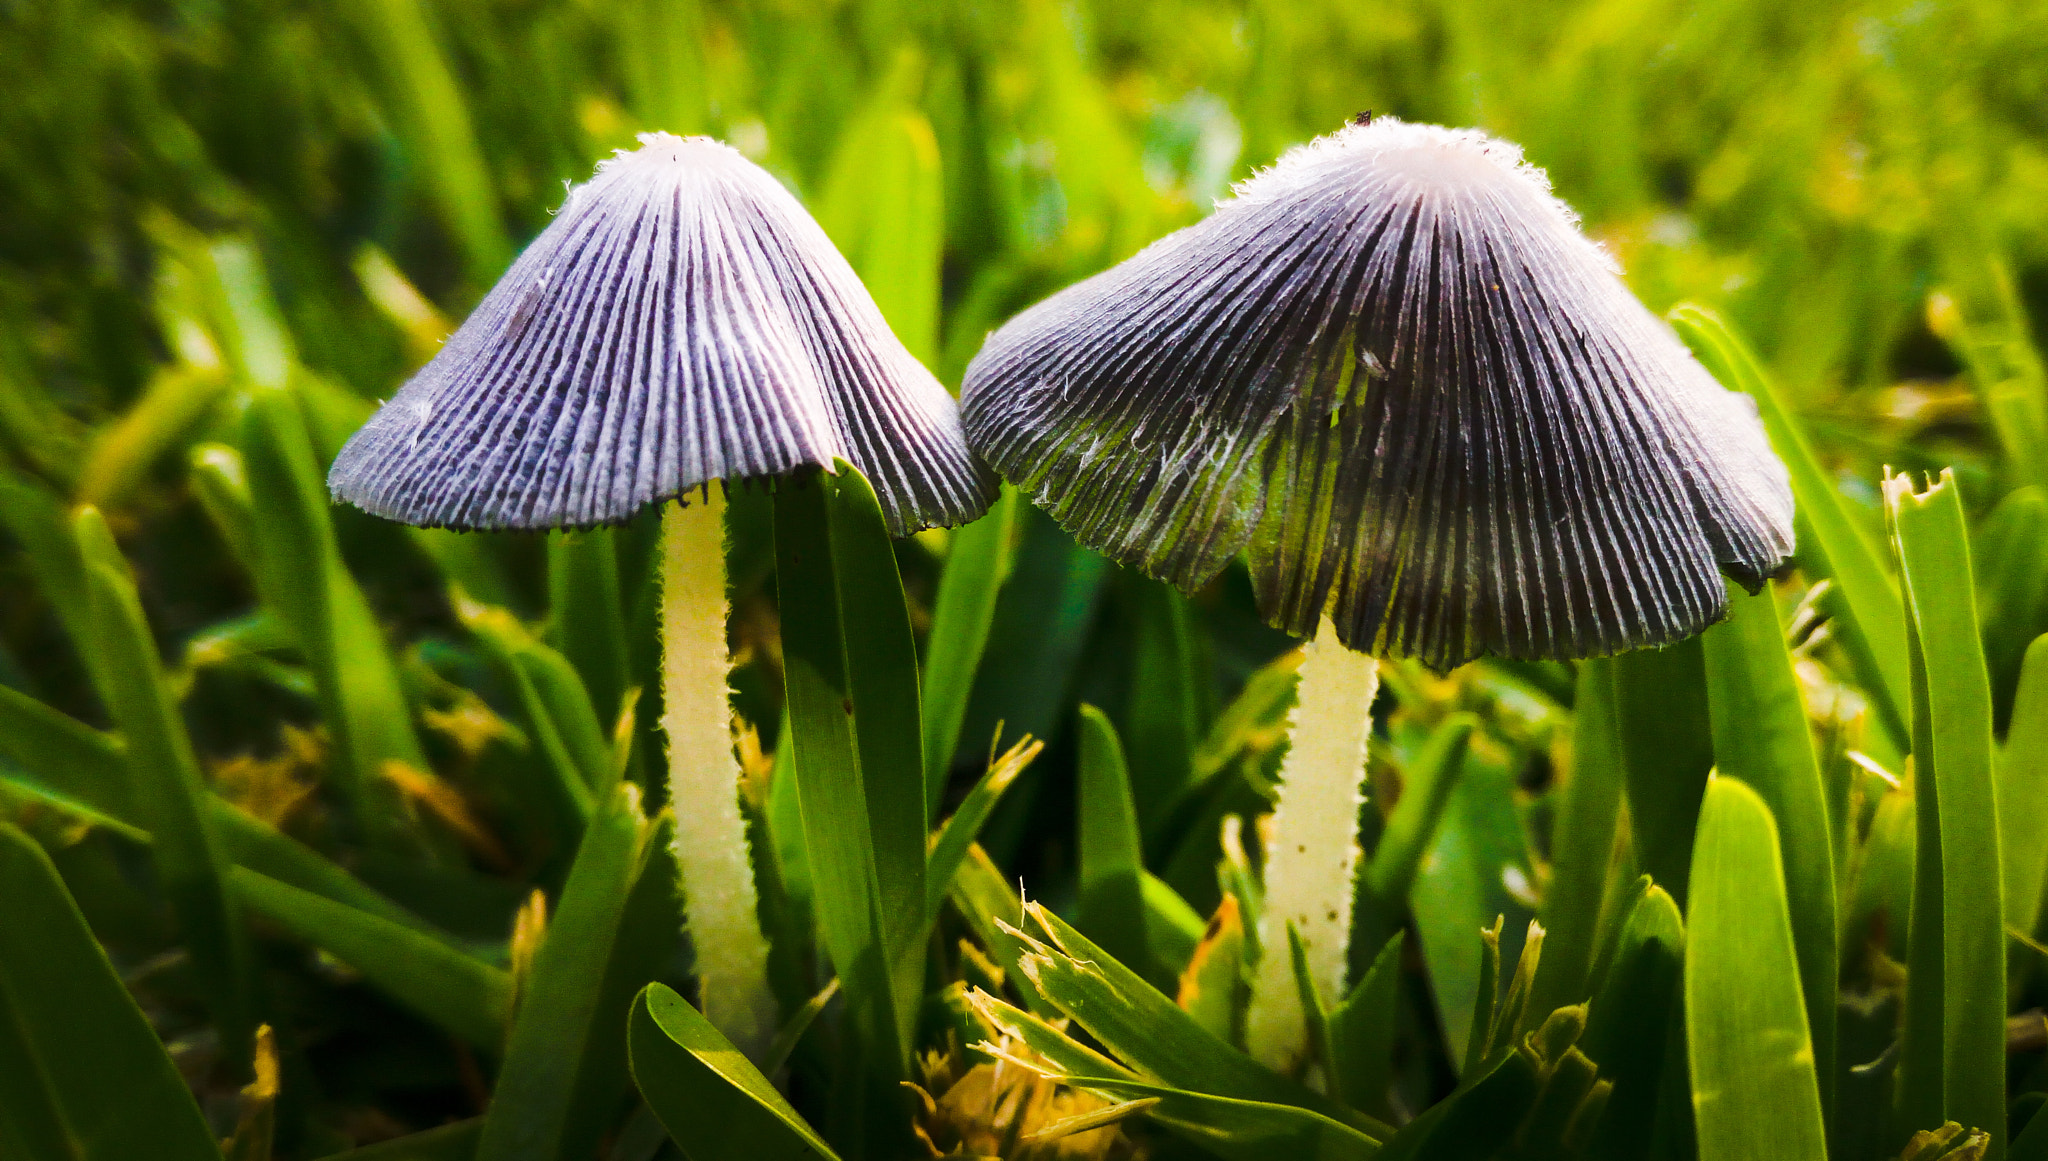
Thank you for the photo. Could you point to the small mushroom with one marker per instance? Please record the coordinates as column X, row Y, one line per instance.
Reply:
column 682, row 320
column 1393, row 373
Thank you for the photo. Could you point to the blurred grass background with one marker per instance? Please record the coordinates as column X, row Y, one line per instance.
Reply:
column 204, row 201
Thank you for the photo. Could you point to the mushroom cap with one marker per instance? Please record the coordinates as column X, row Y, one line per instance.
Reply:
column 1394, row 372
column 682, row 320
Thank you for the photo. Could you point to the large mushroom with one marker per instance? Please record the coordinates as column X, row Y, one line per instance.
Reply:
column 682, row 320
column 1393, row 373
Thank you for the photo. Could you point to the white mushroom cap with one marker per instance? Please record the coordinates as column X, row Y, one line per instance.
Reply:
column 682, row 320
column 1394, row 372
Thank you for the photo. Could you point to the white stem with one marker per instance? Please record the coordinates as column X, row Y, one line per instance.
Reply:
column 704, row 778
column 1312, row 845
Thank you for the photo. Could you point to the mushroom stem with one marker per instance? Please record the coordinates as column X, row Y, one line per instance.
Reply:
column 1311, row 845
column 704, row 778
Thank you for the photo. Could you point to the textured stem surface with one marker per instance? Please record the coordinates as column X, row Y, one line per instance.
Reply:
column 704, row 778
column 1312, row 845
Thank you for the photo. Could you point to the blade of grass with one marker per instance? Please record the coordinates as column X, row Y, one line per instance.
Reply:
column 434, row 120
column 112, row 1088
column 883, row 205
column 1172, row 926
column 1761, row 737
column 456, row 992
column 1952, row 1060
column 2023, row 801
column 1868, row 622
column 984, row 899
column 976, row 568
column 1628, row 1021
column 2009, row 548
column 30, row 1124
column 1427, row 783
column 961, row 830
column 1667, row 749
column 1362, row 1034
column 456, row 1142
column 586, row 616
column 850, row 677
column 1238, row 1130
column 303, row 580
column 1164, row 714
column 561, row 719
column 1146, row 1031
column 165, row 785
column 715, row 1103
column 1754, row 1093
column 1581, row 845
column 548, row 1067
column 1475, row 1121
column 63, row 758
column 40, row 524
column 1108, row 851
column 1213, row 987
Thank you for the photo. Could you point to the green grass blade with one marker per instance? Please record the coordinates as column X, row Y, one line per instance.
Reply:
column 986, row 901
column 303, row 580
column 1109, row 854
column 30, row 1123
column 109, row 1081
column 166, row 788
column 964, row 827
column 63, row 758
column 884, row 207
column 976, row 567
column 41, row 525
column 1477, row 1120
column 1426, row 787
column 1667, row 748
column 1172, row 926
column 850, row 674
column 2032, row 1142
column 2009, row 549
column 1043, row 618
column 1165, row 712
column 1581, row 845
column 454, row 991
column 1362, row 1033
column 1761, row 737
column 1239, row 1130
column 1147, row 1031
column 2023, row 796
column 586, row 614
column 558, row 710
column 1754, row 1093
column 433, row 119
column 716, row 1104
column 1627, row 1023
column 1952, row 1062
column 548, row 1060
column 661, row 51
column 456, row 1142
column 1869, row 625
column 1044, row 1038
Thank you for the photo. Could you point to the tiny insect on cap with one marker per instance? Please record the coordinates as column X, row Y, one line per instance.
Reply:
column 1393, row 371
column 682, row 320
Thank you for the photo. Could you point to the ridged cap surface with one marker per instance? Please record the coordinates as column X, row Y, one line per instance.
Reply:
column 1393, row 371
column 682, row 320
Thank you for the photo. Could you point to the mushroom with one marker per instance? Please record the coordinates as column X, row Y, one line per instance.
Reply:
column 1393, row 373
column 682, row 320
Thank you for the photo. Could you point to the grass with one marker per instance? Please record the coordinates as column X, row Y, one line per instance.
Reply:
column 397, row 795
